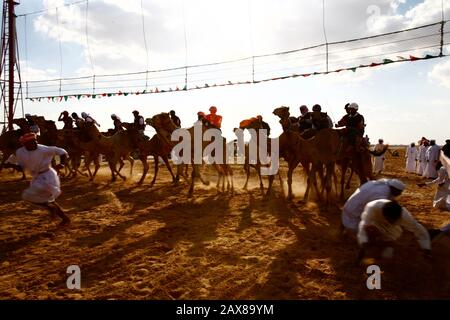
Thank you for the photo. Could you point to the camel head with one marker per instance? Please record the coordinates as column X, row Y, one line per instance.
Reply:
column 21, row 122
column 282, row 112
column 163, row 125
column 161, row 121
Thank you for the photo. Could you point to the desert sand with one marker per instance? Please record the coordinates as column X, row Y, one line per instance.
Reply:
column 136, row 242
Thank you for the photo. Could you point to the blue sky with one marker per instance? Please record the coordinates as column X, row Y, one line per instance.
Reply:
column 400, row 102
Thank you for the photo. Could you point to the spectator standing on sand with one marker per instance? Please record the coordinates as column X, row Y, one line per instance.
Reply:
column 411, row 154
column 432, row 158
column 378, row 161
column 446, row 148
column 421, row 156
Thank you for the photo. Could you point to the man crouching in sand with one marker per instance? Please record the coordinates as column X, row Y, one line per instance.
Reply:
column 45, row 186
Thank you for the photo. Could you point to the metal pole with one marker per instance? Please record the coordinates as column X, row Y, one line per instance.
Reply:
column 12, row 60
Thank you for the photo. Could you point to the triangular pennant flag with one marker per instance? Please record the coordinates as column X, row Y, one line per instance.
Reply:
column 401, row 58
column 156, row 90
column 78, row 96
column 94, row 96
column 120, row 93
column 353, row 69
column 306, row 74
column 206, row 85
column 412, row 58
column 230, row 83
column 104, row 94
column 386, row 61
column 60, row 98
column 109, row 94
column 339, row 70
column 429, row 56
column 65, row 98
column 185, row 88
column 126, row 93
column 373, row 64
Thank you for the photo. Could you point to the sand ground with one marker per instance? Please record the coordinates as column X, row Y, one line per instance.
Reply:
column 136, row 242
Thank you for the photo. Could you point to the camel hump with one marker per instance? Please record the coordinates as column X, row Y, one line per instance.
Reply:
column 246, row 122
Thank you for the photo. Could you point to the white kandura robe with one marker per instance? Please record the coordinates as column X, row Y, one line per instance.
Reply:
column 442, row 196
column 411, row 153
column 354, row 207
column 432, row 157
column 45, row 185
column 378, row 162
column 421, row 161
column 373, row 216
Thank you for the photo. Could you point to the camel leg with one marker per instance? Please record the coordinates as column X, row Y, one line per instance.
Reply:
column 131, row 160
column 269, row 187
column 97, row 167
column 145, row 169
column 247, row 171
column 261, row 185
column 156, row 170
column 121, row 164
column 289, row 177
column 193, row 176
column 166, row 162
column 347, row 185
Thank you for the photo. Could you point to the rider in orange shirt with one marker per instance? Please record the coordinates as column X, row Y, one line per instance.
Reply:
column 213, row 118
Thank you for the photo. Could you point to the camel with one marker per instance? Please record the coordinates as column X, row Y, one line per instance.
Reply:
column 253, row 123
column 164, row 127
column 291, row 143
column 9, row 143
column 114, row 148
column 155, row 147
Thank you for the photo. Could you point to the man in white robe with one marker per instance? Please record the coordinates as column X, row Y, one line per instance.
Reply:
column 382, row 223
column 369, row 191
column 421, row 160
column 45, row 187
column 378, row 162
column 411, row 154
column 432, row 158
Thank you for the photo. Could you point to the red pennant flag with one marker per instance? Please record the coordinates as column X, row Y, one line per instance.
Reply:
column 156, row 90
column 412, row 58
column 306, row 75
column 104, row 94
column 373, row 64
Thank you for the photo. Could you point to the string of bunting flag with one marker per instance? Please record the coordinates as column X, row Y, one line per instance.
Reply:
column 386, row 61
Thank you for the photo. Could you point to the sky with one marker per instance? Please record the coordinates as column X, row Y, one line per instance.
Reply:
column 401, row 102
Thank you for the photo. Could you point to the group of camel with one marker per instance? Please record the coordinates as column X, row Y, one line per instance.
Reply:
column 318, row 152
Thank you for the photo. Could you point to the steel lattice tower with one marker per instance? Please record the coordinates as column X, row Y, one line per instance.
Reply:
column 10, row 80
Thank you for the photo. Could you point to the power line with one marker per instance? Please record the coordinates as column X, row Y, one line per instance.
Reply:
column 50, row 9
column 257, row 56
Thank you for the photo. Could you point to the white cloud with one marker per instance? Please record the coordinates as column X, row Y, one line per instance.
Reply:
column 441, row 73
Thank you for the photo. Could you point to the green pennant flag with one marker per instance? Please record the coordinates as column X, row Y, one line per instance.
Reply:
column 126, row 93
column 78, row 96
column 429, row 56
column 66, row 97
column 109, row 94
column 94, row 96
column 185, row 88
column 386, row 61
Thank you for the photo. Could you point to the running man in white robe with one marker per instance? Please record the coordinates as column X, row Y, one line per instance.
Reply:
column 45, row 185
column 411, row 154
column 369, row 191
column 378, row 162
column 442, row 196
column 382, row 223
